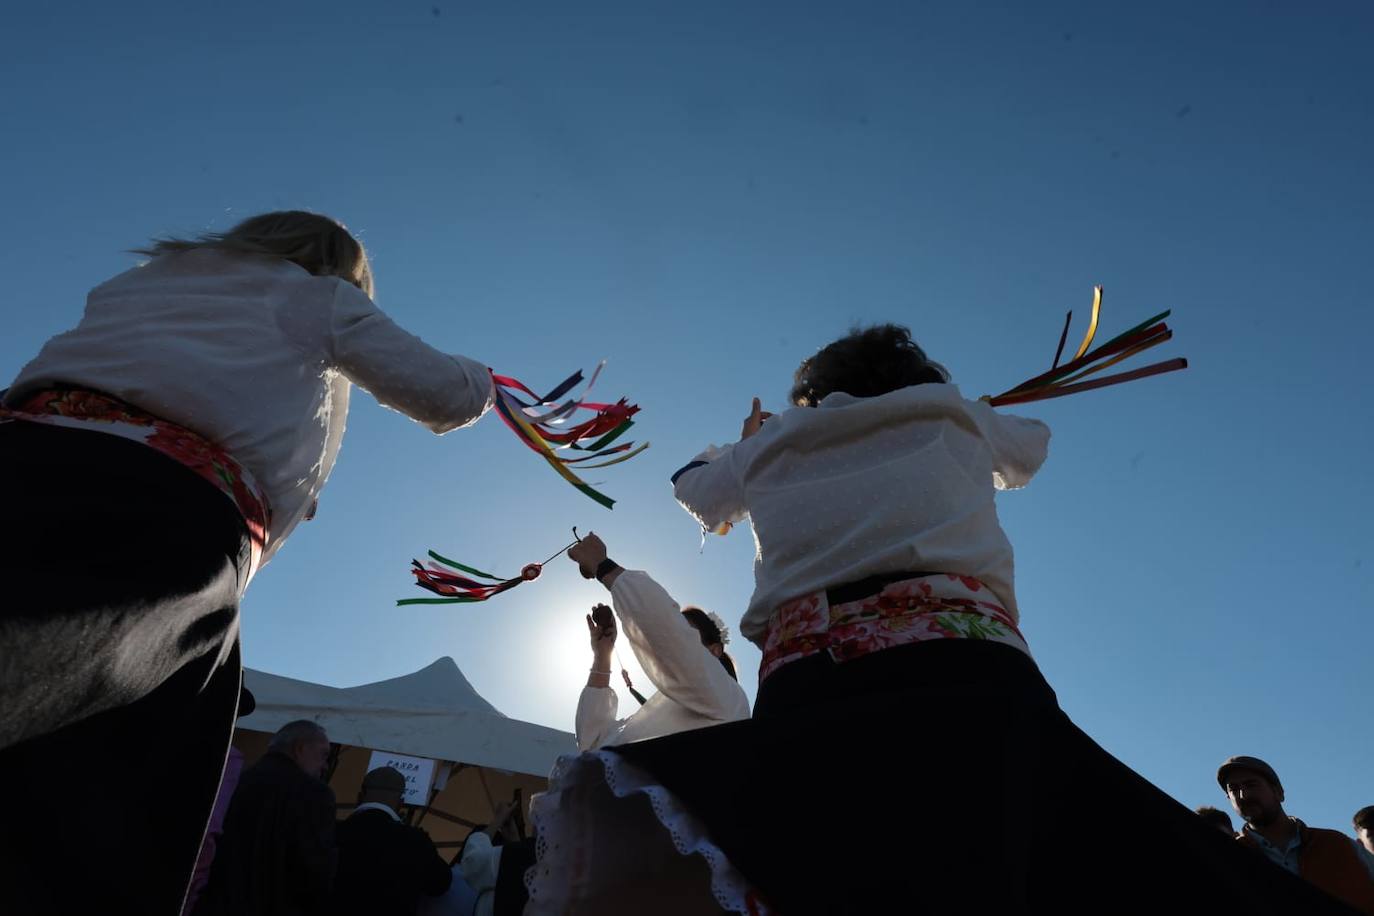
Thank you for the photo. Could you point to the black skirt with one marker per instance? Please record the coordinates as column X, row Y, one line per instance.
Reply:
column 119, row 669
column 936, row 777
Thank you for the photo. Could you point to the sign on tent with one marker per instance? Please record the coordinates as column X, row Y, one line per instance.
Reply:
column 418, row 771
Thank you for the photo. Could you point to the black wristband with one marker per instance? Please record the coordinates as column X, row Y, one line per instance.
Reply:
column 604, row 567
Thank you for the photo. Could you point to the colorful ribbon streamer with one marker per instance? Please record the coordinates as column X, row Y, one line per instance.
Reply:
column 543, row 426
column 461, row 587
column 1067, row 379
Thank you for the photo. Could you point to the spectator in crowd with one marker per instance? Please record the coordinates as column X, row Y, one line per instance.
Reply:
column 277, row 856
column 385, row 865
column 1217, row 818
column 1364, row 827
column 458, row 900
column 493, row 861
column 1327, row 858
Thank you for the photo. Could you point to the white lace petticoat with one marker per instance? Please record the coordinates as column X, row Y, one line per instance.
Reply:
column 612, row 840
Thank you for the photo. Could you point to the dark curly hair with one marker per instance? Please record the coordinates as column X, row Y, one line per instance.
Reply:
column 865, row 363
column 1364, row 819
column 1216, row 817
column 710, row 635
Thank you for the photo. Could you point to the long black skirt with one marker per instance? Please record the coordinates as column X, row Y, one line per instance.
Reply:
column 938, row 777
column 119, row 669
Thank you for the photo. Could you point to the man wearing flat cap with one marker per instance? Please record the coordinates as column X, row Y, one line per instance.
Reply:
column 385, row 865
column 1326, row 858
column 276, row 856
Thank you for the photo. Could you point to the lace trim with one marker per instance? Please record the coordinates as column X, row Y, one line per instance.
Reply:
column 729, row 887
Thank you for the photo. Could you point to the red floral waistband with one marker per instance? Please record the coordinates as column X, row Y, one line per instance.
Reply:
column 80, row 408
column 910, row 610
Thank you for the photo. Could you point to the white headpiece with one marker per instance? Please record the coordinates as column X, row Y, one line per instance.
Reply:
column 720, row 625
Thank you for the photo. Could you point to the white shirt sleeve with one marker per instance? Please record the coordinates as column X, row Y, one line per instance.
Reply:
column 596, row 721
column 710, row 490
column 1019, row 445
column 440, row 390
column 480, row 865
column 669, row 650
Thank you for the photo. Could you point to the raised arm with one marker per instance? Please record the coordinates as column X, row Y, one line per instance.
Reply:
column 441, row 390
column 1019, row 445
column 709, row 486
column 669, row 649
column 598, row 704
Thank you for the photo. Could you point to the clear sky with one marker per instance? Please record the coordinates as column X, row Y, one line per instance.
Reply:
column 704, row 193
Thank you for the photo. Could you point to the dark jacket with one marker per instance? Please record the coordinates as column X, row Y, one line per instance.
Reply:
column 1329, row 859
column 276, row 856
column 384, row 866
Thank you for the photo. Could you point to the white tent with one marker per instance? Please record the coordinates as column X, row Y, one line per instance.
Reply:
column 433, row 712
column 482, row 756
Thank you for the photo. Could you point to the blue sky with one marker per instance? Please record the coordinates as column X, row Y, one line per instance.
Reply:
column 703, row 194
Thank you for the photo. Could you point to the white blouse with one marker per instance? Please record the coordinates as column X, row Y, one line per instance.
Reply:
column 859, row 487
column 257, row 355
column 694, row 689
column 481, row 865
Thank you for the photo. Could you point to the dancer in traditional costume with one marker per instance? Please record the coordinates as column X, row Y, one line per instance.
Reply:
column 153, row 458
column 905, row 754
column 682, row 652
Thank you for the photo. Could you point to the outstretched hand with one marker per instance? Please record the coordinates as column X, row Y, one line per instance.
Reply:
column 754, row 422
column 588, row 554
column 502, row 812
column 601, row 631
column 502, row 820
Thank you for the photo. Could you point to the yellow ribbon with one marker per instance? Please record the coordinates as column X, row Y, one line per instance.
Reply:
column 1092, row 323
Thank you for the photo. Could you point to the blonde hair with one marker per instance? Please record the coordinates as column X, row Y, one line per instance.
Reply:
column 315, row 242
